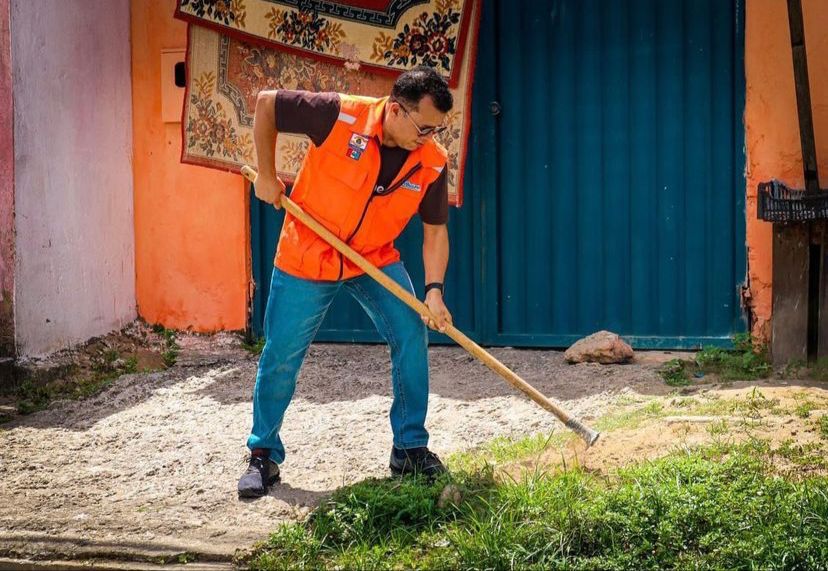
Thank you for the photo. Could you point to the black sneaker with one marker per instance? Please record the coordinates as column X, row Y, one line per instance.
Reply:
column 416, row 461
column 261, row 473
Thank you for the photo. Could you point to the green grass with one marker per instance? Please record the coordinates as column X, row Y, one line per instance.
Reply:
column 803, row 409
column 822, row 425
column 744, row 362
column 809, row 455
column 718, row 428
column 503, row 449
column 721, row 507
column 675, row 372
column 32, row 397
column 105, row 370
column 752, row 406
column 633, row 418
column 186, row 557
column 256, row 347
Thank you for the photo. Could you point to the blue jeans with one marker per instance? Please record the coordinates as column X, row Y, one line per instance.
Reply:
column 295, row 310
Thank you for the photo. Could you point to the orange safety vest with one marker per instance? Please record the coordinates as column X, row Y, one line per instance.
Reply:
column 337, row 186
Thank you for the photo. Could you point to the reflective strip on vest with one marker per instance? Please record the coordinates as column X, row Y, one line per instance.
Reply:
column 349, row 119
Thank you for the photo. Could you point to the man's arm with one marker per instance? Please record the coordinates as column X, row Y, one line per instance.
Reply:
column 268, row 187
column 435, row 262
column 288, row 111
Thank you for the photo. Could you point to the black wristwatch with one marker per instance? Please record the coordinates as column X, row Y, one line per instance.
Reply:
column 433, row 285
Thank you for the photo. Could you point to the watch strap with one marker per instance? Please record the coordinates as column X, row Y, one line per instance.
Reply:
column 434, row 285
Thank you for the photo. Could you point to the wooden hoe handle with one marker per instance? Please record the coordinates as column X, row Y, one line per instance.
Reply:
column 586, row 433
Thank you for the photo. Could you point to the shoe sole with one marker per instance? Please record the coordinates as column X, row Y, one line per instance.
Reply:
column 247, row 494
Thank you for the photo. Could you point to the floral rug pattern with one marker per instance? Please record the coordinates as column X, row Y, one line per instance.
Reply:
column 226, row 72
column 389, row 37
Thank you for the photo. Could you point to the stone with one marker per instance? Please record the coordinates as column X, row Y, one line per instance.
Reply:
column 602, row 347
column 450, row 496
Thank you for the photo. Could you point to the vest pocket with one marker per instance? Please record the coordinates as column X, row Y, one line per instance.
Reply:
column 343, row 169
column 336, row 192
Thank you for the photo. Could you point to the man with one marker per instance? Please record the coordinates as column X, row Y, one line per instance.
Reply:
column 373, row 164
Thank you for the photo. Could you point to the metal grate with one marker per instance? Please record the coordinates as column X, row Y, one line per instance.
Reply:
column 778, row 203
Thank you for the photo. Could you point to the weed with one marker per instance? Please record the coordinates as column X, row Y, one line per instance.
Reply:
column 803, row 455
column 803, row 409
column 32, row 398
column 105, row 370
column 171, row 348
column 819, row 370
column 822, row 423
column 674, row 372
column 744, row 361
column 631, row 418
column 757, row 402
column 683, row 402
column 130, row 366
column 718, row 428
column 256, row 347
column 105, row 361
column 751, row 406
column 186, row 557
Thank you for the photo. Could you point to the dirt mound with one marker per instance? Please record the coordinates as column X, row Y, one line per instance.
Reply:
column 786, row 418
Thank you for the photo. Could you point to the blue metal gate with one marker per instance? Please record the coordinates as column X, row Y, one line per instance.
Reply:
column 604, row 191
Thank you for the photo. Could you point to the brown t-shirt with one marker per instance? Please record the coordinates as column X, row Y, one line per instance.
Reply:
column 315, row 114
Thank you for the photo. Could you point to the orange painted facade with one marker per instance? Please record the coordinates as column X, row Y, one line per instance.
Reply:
column 772, row 127
column 191, row 223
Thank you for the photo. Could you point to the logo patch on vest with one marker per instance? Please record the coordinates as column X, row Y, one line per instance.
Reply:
column 358, row 141
column 408, row 185
column 353, row 154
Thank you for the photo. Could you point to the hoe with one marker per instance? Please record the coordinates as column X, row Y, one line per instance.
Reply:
column 586, row 433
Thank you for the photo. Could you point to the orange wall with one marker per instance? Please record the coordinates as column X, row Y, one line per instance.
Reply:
column 772, row 127
column 191, row 232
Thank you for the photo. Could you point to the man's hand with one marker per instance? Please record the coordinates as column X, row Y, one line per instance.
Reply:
column 269, row 189
column 434, row 302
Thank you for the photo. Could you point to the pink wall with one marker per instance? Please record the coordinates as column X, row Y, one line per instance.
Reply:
column 772, row 127
column 6, row 188
column 74, row 276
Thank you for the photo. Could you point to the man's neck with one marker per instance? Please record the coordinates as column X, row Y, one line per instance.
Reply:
column 386, row 140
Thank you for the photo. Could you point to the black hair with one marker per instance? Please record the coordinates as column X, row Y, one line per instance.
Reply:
column 416, row 83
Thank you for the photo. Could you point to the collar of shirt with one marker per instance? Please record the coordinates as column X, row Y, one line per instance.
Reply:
column 373, row 126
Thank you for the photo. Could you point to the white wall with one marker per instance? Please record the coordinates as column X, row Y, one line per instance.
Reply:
column 75, row 247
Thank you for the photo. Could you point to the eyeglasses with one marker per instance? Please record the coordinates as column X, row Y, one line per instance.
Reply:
column 422, row 131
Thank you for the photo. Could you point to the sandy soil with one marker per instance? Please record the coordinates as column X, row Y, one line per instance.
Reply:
column 148, row 468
